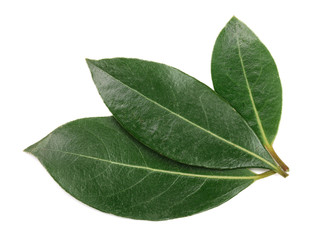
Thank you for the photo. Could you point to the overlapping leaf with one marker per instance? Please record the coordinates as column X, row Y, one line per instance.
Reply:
column 107, row 163
column 99, row 163
column 176, row 115
column 245, row 74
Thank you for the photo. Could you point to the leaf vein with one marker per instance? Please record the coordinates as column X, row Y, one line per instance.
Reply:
column 158, row 170
column 194, row 124
column 250, row 94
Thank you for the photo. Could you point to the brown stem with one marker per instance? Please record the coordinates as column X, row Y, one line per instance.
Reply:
column 283, row 166
column 281, row 172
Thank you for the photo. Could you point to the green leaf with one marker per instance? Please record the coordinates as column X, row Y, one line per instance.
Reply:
column 245, row 74
column 176, row 115
column 99, row 163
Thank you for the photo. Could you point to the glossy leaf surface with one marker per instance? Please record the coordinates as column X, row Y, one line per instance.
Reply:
column 245, row 74
column 176, row 115
column 99, row 163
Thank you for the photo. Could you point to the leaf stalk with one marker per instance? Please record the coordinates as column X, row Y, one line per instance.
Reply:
column 275, row 156
column 265, row 174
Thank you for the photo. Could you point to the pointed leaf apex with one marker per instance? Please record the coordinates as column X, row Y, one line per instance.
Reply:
column 89, row 61
column 29, row 149
column 233, row 20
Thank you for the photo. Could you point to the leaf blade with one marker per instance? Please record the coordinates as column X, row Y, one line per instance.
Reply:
column 76, row 155
column 164, row 109
column 245, row 74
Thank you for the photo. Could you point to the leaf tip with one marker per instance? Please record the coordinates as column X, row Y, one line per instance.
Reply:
column 234, row 19
column 89, row 61
column 30, row 149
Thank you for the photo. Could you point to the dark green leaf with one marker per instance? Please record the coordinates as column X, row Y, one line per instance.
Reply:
column 99, row 163
column 245, row 74
column 176, row 115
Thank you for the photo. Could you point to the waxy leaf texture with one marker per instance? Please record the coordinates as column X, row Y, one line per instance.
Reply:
column 99, row 163
column 173, row 147
column 177, row 116
column 245, row 74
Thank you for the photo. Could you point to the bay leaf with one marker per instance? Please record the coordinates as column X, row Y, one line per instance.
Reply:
column 100, row 164
column 177, row 116
column 245, row 74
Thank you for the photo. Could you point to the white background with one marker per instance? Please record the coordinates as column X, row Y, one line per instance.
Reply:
column 45, row 83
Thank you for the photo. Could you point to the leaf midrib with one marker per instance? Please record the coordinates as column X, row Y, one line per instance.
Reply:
column 194, row 124
column 256, row 113
column 154, row 169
